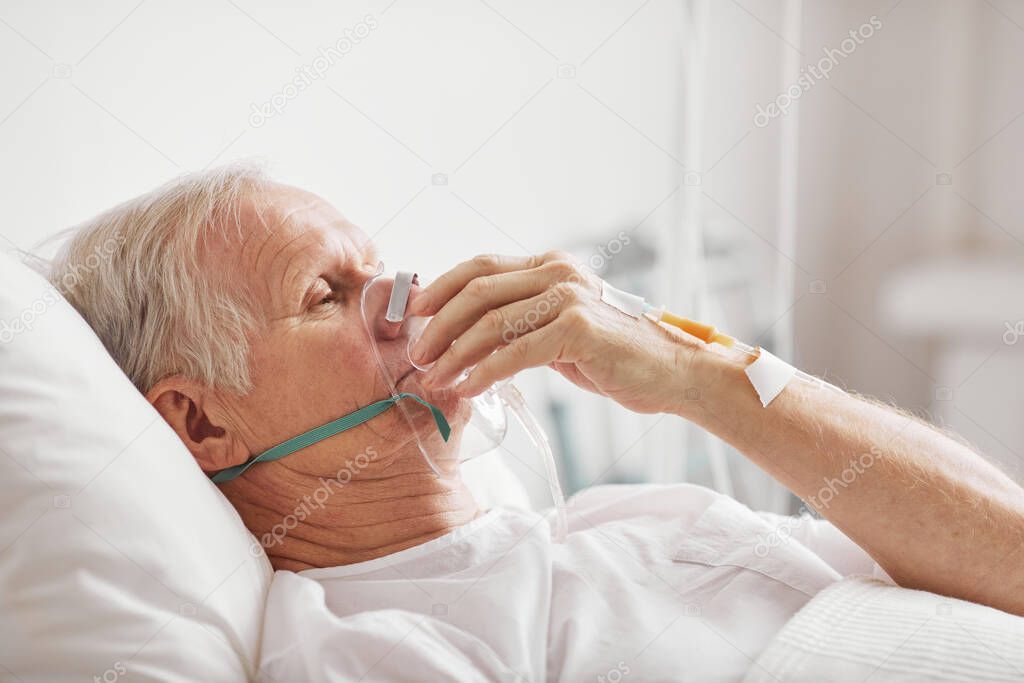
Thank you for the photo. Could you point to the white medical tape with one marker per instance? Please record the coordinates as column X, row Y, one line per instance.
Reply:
column 769, row 375
column 630, row 304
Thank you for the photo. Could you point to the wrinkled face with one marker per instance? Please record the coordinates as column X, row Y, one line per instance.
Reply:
column 305, row 267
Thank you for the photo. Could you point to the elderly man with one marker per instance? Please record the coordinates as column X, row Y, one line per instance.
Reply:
column 233, row 304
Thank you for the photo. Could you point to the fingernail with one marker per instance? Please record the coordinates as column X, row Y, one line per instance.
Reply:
column 417, row 352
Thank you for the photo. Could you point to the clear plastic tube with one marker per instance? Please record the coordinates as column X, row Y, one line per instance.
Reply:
column 710, row 334
column 511, row 396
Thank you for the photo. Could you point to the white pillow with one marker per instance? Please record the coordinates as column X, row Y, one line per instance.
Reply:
column 118, row 557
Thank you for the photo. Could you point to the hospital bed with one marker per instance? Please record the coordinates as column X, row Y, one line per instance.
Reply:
column 119, row 559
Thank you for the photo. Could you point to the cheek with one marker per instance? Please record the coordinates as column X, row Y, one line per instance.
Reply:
column 317, row 369
column 335, row 366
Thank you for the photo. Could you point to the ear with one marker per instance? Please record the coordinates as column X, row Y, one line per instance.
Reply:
column 194, row 413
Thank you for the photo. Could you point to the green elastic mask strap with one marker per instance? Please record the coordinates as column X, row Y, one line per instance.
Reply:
column 353, row 419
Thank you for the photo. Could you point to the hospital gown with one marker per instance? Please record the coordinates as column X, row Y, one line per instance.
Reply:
column 653, row 583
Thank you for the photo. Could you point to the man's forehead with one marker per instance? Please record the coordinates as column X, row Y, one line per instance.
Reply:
column 291, row 227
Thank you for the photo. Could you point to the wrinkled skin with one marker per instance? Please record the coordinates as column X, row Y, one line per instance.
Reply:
column 368, row 492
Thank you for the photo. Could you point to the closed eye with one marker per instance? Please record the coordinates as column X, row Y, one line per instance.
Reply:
column 328, row 298
column 320, row 294
column 327, row 290
column 329, row 294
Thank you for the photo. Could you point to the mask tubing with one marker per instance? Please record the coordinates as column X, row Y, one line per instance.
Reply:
column 511, row 396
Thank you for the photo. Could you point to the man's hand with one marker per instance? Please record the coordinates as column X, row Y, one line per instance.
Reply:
column 930, row 511
column 504, row 314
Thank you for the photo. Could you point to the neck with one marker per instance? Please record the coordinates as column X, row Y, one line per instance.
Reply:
column 307, row 520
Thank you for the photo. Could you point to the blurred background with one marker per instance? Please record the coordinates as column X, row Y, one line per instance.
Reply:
column 835, row 181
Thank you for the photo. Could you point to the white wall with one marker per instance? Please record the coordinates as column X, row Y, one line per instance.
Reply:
column 102, row 102
column 532, row 160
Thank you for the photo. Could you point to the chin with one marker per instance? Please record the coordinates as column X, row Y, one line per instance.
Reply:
column 455, row 408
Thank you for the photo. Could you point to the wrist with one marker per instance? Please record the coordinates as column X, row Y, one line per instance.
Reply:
column 712, row 379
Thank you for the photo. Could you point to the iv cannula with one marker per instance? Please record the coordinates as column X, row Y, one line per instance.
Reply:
column 710, row 334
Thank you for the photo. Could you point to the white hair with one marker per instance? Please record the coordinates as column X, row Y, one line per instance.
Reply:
column 139, row 276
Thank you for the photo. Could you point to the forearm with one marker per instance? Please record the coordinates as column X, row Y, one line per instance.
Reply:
column 929, row 510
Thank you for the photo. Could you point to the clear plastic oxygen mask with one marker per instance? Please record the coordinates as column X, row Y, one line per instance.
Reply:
column 479, row 424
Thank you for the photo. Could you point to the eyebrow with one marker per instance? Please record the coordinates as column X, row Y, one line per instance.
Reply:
column 305, row 273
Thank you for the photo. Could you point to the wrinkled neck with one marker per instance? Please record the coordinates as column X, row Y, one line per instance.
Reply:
column 305, row 521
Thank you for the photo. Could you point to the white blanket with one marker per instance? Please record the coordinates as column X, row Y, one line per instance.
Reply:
column 653, row 583
column 862, row 629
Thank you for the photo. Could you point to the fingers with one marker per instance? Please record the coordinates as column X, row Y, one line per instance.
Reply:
column 437, row 294
column 483, row 294
column 498, row 327
column 530, row 351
